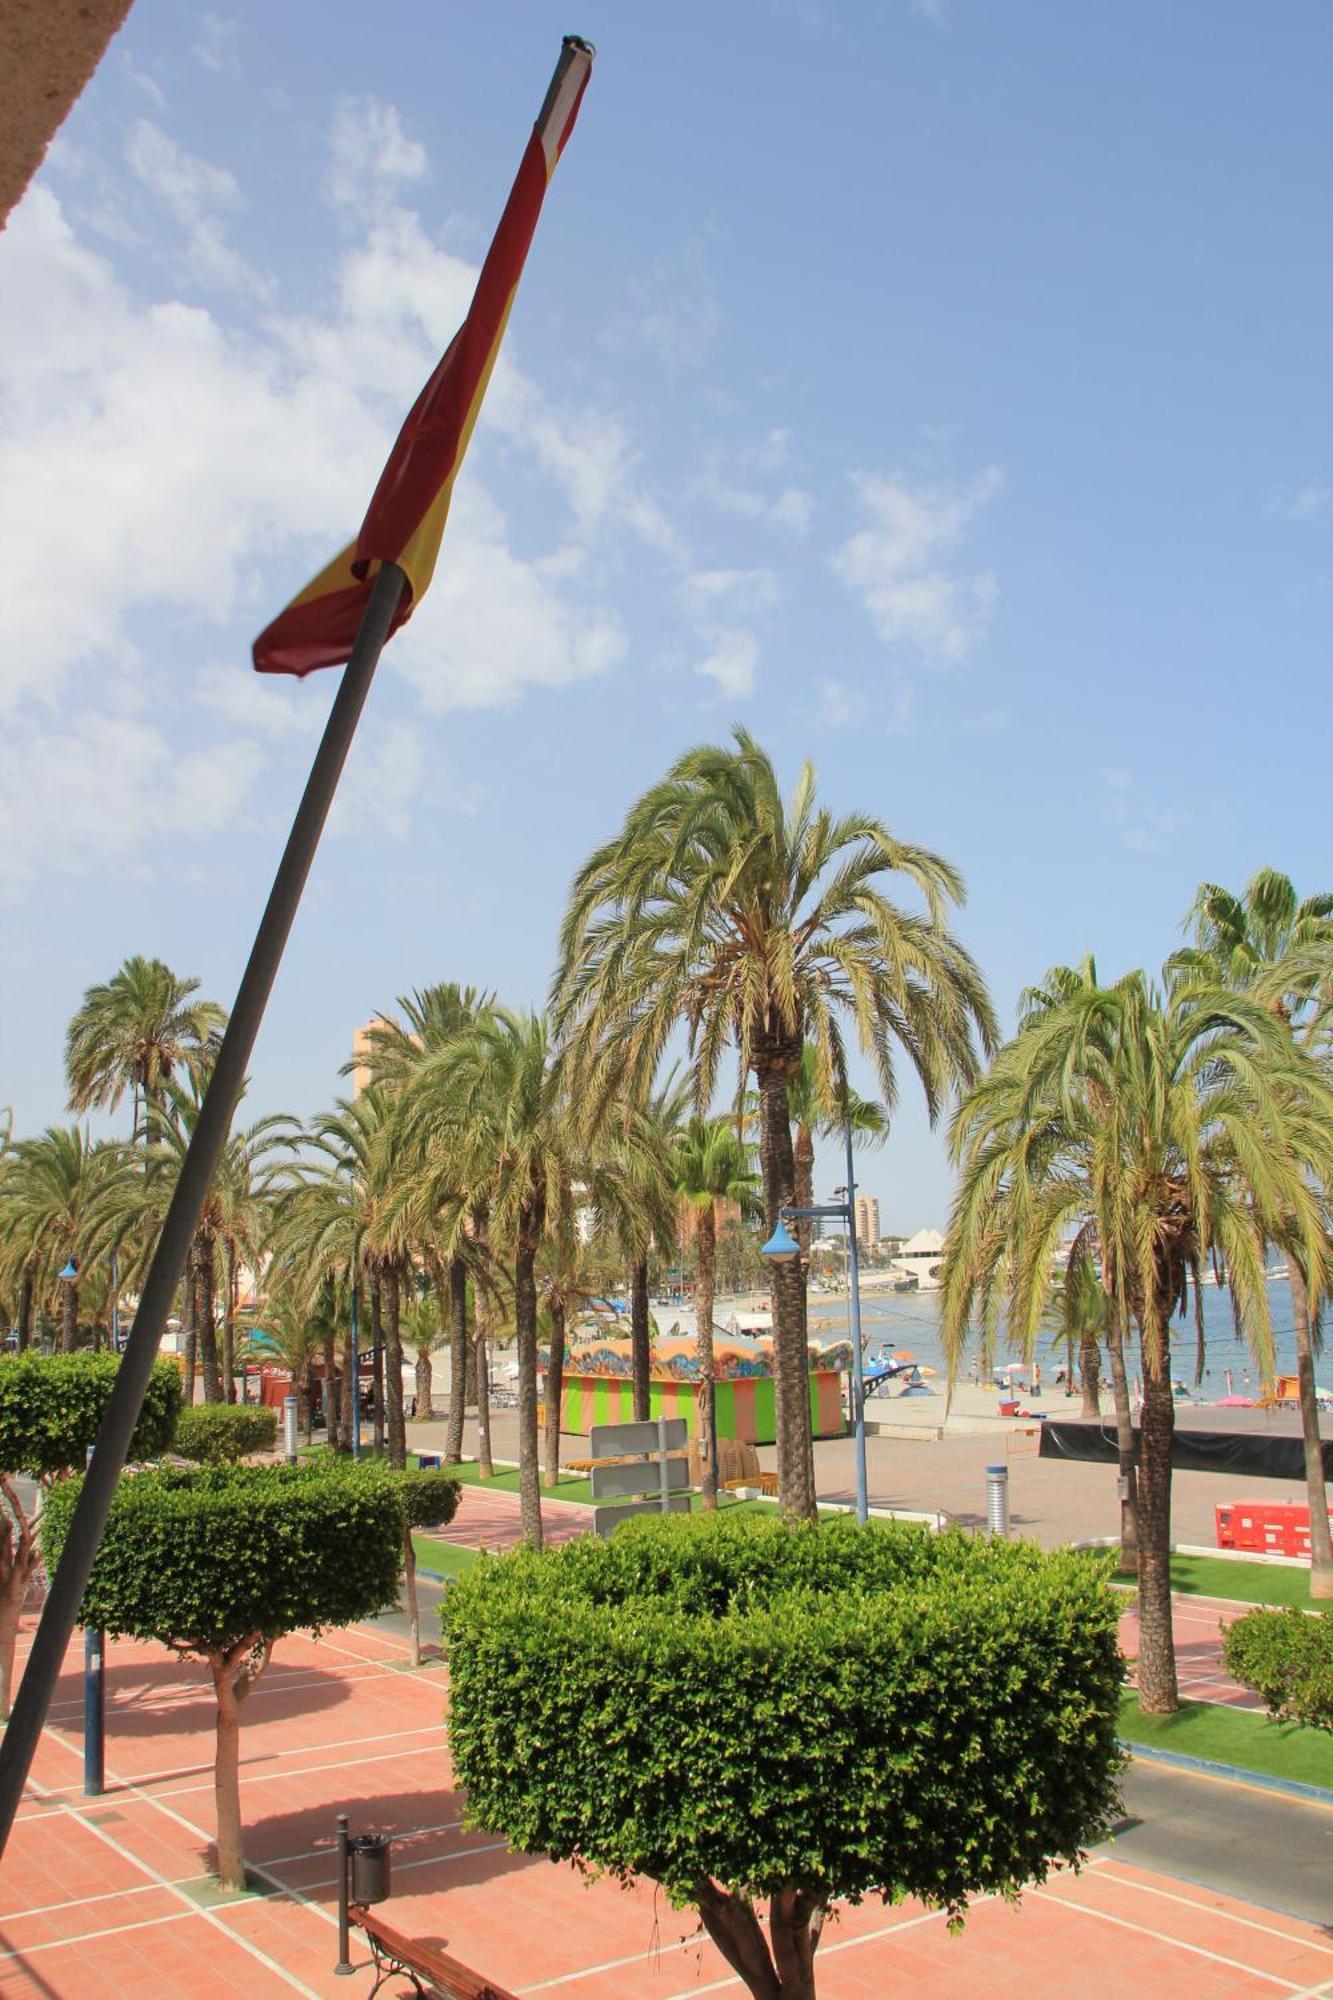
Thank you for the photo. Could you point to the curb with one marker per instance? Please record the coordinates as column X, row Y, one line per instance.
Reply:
column 1206, row 1767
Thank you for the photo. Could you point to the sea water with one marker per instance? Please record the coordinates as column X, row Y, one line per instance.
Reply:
column 911, row 1321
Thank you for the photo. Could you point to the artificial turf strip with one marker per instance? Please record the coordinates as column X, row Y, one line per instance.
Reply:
column 1245, row 1582
column 1233, row 1736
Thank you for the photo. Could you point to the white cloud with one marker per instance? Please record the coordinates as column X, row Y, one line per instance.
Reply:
column 839, row 703
column 750, row 483
column 215, row 48
column 898, row 563
column 1144, row 826
column 706, row 593
column 371, row 153
column 730, row 663
column 1306, row 503
column 196, row 194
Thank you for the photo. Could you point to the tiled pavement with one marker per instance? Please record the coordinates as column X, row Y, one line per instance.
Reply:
column 101, row 1897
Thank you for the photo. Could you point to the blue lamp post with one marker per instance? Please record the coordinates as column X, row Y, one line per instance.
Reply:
column 782, row 1248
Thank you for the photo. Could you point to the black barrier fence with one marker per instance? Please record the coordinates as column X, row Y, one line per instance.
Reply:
column 1191, row 1451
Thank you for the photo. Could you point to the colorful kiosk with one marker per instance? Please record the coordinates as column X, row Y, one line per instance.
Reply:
column 598, row 1388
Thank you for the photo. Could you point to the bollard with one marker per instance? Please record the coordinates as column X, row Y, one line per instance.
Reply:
column 344, row 1965
column 997, row 1499
column 289, row 1428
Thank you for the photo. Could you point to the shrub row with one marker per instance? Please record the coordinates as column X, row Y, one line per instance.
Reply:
column 222, row 1433
column 51, row 1406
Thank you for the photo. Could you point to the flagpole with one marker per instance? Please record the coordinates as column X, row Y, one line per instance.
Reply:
column 60, row 1612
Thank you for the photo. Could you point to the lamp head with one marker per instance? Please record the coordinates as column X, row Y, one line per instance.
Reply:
column 71, row 1270
column 781, row 1247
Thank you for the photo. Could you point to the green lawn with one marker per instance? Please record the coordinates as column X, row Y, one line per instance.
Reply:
column 1233, row 1736
column 445, row 1558
column 1247, row 1582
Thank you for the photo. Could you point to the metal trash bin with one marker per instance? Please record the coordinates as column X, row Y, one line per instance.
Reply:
column 370, row 1868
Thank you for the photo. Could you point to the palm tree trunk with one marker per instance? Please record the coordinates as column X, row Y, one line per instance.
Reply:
column 458, row 1359
column 25, row 1311
column 791, row 1371
column 305, row 1402
column 208, row 1340
column 483, row 1368
column 803, row 1156
column 641, row 1349
column 555, row 1386
column 705, row 1244
column 425, row 1386
column 191, row 1336
column 377, row 1356
column 1157, row 1689
column 1090, row 1374
column 393, row 1369
column 1124, row 1429
column 329, row 1394
column 229, row 1328
column 1321, row 1543
column 525, row 1321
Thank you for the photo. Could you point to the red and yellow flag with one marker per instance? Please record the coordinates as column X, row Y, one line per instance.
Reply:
column 411, row 503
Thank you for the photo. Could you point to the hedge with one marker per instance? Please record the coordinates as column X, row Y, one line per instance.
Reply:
column 1287, row 1658
column 223, row 1433
column 51, row 1407
column 834, row 1709
column 199, row 1557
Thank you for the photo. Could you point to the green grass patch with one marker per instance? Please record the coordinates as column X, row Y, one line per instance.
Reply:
column 1245, row 1582
column 445, row 1558
column 1232, row 1736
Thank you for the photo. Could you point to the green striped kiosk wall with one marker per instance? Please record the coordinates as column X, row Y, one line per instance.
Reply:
column 744, row 1407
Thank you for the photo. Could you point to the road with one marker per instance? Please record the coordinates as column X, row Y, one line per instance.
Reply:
column 1263, row 1847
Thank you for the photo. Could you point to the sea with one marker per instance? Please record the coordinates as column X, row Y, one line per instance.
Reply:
column 910, row 1321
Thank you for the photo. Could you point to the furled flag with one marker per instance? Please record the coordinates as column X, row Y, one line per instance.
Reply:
column 411, row 503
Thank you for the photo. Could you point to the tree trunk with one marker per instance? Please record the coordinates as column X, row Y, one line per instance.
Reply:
column 1124, row 1428
column 525, row 1320
column 1089, row 1375
column 705, row 1244
column 795, row 1921
column 555, row 1388
column 641, row 1350
column 470, row 1377
column 1157, row 1690
column 191, row 1354
column 234, row 1674
column 69, row 1317
column 803, row 1160
column 1321, row 1544
column 25, row 1312
column 791, row 1370
column 393, row 1369
column 425, row 1387
column 458, row 1359
column 205, row 1286
column 329, row 1390
column 413, row 1607
column 377, row 1357
column 305, row 1402
column 229, row 1329
column 18, row 1560
column 349, row 1384
column 483, row 1368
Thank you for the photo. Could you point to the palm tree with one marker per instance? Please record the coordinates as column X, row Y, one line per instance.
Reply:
column 630, row 1192
column 1269, row 943
column 136, row 1032
column 572, row 1272
column 1177, row 1129
column 511, row 1139
column 818, row 1117
column 765, row 926
column 432, row 1018
column 423, row 1326
column 54, row 1188
column 711, row 1166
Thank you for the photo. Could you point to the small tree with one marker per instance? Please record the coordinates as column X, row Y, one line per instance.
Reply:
column 51, row 1407
column 221, row 1562
column 797, row 1713
column 428, row 1499
column 1287, row 1658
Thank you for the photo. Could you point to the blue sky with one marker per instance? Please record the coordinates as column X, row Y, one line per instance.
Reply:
column 939, row 389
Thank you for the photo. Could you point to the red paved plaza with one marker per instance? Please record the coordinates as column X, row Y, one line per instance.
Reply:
column 101, row 1897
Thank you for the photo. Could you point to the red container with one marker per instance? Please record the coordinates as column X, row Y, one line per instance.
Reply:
column 1268, row 1527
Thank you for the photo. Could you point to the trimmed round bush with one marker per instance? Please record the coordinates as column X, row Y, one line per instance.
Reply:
column 429, row 1496
column 798, row 1712
column 1287, row 1658
column 224, row 1433
column 52, row 1405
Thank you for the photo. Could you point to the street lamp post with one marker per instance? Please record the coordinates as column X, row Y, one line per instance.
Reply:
column 782, row 1248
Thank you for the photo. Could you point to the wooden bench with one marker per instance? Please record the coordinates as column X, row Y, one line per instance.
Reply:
column 432, row 1971
column 767, row 1482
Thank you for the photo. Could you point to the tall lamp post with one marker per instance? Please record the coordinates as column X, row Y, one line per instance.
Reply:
column 782, row 1248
